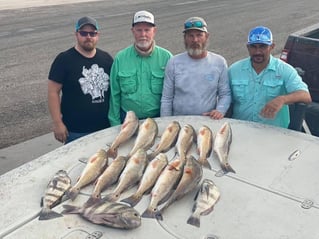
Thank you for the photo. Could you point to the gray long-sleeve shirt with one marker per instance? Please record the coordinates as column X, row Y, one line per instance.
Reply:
column 195, row 86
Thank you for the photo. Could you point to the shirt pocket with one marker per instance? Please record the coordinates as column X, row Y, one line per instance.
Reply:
column 274, row 87
column 157, row 82
column 239, row 89
column 128, row 82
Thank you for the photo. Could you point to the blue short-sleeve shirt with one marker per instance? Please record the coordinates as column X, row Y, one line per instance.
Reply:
column 252, row 91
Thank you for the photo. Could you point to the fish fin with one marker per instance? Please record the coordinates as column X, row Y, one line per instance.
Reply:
column 112, row 153
column 227, row 168
column 73, row 193
column 164, row 199
column 148, row 191
column 41, row 202
column 159, row 216
column 195, row 197
column 70, row 209
column 151, row 213
column 206, row 212
column 112, row 197
column 192, row 220
column 83, row 160
column 47, row 213
column 133, row 200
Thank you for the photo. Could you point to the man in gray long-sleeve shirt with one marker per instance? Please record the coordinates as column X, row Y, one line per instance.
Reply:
column 196, row 81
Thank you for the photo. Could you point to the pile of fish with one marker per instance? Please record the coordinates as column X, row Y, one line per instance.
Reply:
column 167, row 181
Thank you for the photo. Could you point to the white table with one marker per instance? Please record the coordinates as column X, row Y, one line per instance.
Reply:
column 270, row 196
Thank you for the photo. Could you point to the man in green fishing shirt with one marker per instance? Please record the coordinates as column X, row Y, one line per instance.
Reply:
column 137, row 73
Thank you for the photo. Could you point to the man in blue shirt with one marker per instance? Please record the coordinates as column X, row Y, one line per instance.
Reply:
column 263, row 86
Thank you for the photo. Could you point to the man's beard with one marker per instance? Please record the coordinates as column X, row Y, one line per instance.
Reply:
column 258, row 59
column 198, row 51
column 88, row 47
column 144, row 45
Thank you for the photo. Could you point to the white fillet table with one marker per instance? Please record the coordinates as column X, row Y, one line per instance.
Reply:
column 269, row 196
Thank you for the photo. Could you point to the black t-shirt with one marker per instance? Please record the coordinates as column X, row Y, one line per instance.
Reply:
column 85, row 90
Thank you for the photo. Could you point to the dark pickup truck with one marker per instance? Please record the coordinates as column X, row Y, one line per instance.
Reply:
column 302, row 52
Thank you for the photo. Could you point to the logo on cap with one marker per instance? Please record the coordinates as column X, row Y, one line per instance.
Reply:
column 143, row 16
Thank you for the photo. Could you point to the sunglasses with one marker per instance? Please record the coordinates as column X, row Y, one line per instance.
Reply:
column 259, row 37
column 85, row 33
column 194, row 24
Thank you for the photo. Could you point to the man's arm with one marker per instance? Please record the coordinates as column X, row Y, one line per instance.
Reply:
column 273, row 106
column 115, row 96
column 168, row 91
column 54, row 103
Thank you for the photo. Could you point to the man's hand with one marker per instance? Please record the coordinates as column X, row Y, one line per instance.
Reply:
column 214, row 114
column 60, row 132
column 272, row 107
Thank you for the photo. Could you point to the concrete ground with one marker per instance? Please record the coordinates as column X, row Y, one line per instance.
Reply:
column 19, row 154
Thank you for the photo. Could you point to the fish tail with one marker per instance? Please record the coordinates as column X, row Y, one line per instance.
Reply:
column 132, row 200
column 47, row 213
column 70, row 209
column 192, row 220
column 151, row 213
column 227, row 168
column 151, row 156
column 112, row 153
column 92, row 200
column 205, row 163
column 73, row 193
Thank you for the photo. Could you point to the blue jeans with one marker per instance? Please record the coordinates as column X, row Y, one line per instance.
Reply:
column 73, row 136
column 122, row 115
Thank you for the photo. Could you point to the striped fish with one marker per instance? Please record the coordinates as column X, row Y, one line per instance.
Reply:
column 56, row 189
column 111, row 214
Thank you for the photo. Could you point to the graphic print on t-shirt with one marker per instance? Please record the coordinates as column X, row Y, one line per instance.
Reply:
column 94, row 82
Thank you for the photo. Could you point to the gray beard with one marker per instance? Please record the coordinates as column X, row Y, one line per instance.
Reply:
column 195, row 52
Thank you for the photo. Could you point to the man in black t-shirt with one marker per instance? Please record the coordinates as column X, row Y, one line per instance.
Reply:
column 78, row 86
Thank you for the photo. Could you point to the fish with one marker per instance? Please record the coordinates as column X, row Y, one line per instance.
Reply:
column 131, row 174
column 221, row 146
column 151, row 174
column 192, row 175
column 146, row 136
column 186, row 137
column 163, row 187
column 168, row 139
column 128, row 129
column 55, row 190
column 110, row 176
column 94, row 167
column 204, row 145
column 111, row 214
column 205, row 200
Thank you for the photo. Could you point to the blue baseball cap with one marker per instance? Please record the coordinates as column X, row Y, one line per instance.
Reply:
column 86, row 21
column 260, row 35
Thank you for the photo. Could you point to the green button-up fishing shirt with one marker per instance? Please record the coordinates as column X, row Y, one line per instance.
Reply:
column 137, row 83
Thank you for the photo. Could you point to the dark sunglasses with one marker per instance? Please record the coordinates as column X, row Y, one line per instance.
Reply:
column 85, row 33
column 193, row 24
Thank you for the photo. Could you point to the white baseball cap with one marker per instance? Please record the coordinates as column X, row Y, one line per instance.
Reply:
column 143, row 16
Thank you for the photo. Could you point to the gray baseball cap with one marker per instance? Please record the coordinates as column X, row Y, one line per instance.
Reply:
column 86, row 21
column 196, row 23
